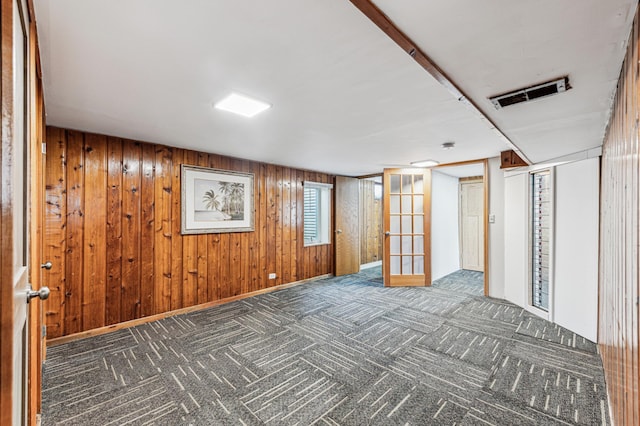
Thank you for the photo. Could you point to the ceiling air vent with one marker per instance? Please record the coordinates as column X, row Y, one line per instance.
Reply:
column 530, row 93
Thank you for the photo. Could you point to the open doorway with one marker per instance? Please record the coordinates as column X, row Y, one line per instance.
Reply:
column 459, row 221
column 371, row 223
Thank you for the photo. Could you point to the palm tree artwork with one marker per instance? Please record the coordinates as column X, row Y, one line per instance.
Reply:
column 236, row 196
column 211, row 200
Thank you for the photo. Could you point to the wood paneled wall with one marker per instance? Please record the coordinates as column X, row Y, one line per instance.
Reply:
column 370, row 223
column 618, row 332
column 113, row 233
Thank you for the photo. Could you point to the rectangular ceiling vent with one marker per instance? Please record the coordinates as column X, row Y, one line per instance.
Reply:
column 527, row 94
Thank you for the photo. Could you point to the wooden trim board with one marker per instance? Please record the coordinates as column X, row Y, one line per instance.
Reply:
column 387, row 26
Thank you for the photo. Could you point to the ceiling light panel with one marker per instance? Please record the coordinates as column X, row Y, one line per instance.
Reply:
column 425, row 163
column 242, row 105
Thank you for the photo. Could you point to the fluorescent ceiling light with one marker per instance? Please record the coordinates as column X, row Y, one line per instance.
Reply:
column 425, row 163
column 242, row 105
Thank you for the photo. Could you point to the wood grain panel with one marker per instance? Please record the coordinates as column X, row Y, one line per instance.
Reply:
column 202, row 250
column 190, row 254
column 75, row 232
column 163, row 232
column 55, row 245
column 94, row 256
column 131, row 236
column 619, row 281
column 147, row 231
column 347, row 225
column 262, row 230
column 370, row 223
column 176, row 240
column 124, row 211
column 272, row 211
column 114, row 230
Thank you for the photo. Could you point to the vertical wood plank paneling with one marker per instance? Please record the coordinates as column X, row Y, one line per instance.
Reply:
column 131, row 178
column 163, row 230
column 224, row 259
column 294, row 224
column 55, row 229
column 300, row 226
column 95, row 227
column 113, row 227
column 253, row 237
column 190, row 253
column 278, row 225
column 202, row 250
column 235, row 254
column 75, row 233
column 213, row 251
column 264, row 220
column 114, row 230
column 286, row 225
column 147, row 231
column 272, row 211
column 176, row 240
column 619, row 282
column 370, row 223
column 245, row 252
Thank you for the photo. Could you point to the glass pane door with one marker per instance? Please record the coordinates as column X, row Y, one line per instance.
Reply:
column 406, row 211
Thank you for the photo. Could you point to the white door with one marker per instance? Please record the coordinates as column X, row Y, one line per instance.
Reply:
column 20, row 225
column 472, row 225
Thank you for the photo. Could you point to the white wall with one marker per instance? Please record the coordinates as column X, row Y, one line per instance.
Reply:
column 575, row 294
column 574, row 283
column 445, row 253
column 516, row 228
column 496, row 229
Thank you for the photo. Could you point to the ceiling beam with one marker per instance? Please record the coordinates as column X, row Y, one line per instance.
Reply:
column 383, row 22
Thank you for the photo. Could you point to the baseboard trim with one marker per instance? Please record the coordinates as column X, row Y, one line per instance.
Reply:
column 132, row 323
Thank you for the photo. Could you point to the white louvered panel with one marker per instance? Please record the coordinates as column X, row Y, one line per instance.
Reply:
column 541, row 220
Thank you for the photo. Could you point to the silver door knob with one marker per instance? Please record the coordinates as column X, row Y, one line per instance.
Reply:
column 43, row 293
column 338, row 231
column 47, row 265
column 387, row 233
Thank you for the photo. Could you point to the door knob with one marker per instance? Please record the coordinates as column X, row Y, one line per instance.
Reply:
column 43, row 293
column 387, row 233
column 47, row 265
column 338, row 231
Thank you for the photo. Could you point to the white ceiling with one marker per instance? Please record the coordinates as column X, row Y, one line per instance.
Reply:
column 466, row 170
column 346, row 99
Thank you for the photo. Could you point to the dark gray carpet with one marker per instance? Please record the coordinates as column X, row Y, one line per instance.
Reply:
column 338, row 351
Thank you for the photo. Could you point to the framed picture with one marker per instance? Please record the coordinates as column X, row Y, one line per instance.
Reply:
column 216, row 200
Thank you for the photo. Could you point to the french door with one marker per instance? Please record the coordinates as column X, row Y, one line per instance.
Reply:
column 407, row 225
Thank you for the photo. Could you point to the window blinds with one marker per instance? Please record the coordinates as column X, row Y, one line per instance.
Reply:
column 311, row 214
column 541, row 220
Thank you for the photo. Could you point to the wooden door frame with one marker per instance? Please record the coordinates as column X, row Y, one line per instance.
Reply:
column 6, row 216
column 485, row 181
column 381, row 236
column 36, row 220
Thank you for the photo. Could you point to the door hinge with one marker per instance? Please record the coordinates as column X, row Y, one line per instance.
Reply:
column 44, row 331
column 44, row 148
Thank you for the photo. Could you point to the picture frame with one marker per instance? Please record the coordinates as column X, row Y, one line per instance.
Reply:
column 216, row 201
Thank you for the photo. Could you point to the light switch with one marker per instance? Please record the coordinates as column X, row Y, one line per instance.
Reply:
column 492, row 218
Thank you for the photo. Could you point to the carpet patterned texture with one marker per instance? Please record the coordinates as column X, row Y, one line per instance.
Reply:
column 337, row 351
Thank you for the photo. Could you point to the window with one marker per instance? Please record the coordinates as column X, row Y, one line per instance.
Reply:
column 540, row 238
column 317, row 204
